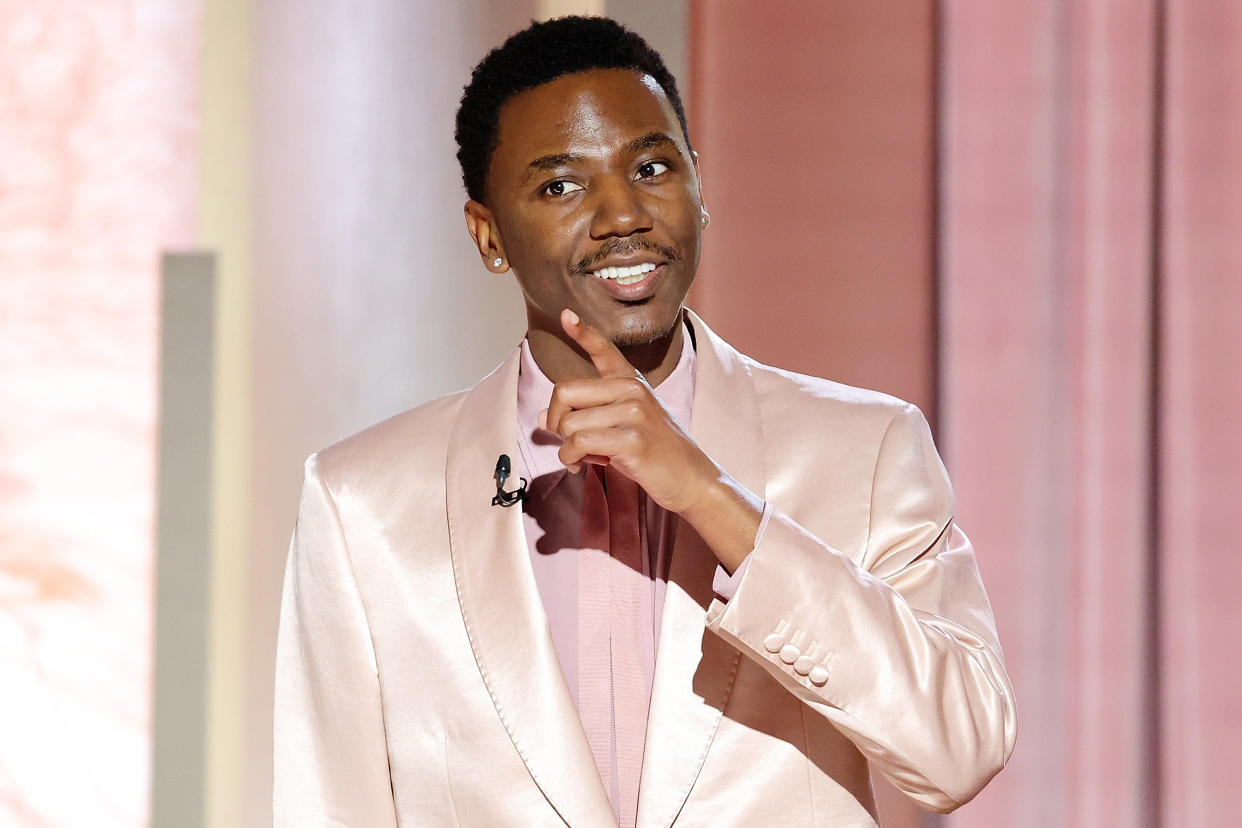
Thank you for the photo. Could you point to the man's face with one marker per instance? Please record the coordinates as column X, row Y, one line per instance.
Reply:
column 592, row 175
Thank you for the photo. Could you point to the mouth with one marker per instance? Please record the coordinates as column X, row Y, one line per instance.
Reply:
column 631, row 283
column 625, row 275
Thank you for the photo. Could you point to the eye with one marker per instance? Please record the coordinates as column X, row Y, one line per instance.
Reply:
column 560, row 187
column 650, row 169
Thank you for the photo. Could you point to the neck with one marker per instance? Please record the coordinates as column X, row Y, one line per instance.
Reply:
column 562, row 360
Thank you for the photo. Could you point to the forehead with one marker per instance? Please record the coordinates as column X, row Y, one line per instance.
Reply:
column 587, row 113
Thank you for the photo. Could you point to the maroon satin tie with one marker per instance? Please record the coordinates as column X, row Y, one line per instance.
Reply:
column 612, row 687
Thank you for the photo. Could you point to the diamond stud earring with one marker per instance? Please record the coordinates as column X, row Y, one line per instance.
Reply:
column 497, row 262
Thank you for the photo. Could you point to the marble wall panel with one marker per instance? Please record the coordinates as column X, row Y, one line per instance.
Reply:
column 98, row 147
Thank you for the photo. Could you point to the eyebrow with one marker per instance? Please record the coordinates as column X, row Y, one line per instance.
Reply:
column 563, row 159
column 649, row 141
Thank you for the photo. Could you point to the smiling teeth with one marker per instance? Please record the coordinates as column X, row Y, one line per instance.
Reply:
column 625, row 275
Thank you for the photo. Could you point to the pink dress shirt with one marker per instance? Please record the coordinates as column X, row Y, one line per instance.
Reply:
column 551, row 517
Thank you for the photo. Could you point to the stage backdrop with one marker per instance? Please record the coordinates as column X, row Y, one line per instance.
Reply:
column 1019, row 215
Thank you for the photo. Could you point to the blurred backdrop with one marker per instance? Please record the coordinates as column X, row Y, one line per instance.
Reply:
column 231, row 233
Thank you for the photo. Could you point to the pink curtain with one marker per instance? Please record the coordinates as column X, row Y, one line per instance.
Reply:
column 1199, row 440
column 815, row 128
column 1091, row 169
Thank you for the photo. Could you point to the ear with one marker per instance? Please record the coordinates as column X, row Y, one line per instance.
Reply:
column 698, row 174
column 481, row 225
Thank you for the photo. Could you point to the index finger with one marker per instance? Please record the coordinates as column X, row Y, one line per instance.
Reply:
column 608, row 359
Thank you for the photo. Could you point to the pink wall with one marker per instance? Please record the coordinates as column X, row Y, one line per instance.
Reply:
column 814, row 126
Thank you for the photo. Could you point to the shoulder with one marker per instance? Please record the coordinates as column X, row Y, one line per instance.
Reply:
column 412, row 442
column 854, row 439
column 808, row 422
column 780, row 391
column 787, row 395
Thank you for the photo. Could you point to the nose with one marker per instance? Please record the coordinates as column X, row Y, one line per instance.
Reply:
column 620, row 209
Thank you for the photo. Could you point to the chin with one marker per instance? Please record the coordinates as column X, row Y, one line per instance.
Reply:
column 635, row 339
column 635, row 333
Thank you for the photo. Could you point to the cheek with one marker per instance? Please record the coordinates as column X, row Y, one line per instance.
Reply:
column 682, row 213
column 543, row 242
column 683, row 223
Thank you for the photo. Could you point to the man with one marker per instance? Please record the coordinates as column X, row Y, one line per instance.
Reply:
column 728, row 589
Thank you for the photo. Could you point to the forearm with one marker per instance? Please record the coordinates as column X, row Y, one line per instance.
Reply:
column 915, row 683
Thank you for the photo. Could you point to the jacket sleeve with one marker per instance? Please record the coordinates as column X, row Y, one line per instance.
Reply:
column 900, row 653
column 330, row 753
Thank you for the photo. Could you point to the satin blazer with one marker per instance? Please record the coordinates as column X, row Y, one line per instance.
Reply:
column 417, row 684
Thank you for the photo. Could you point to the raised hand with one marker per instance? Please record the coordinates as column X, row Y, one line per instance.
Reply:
column 617, row 419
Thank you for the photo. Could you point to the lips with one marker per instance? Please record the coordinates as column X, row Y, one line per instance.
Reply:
column 629, row 283
column 625, row 275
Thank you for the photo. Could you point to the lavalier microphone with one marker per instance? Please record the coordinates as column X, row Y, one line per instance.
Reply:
column 503, row 498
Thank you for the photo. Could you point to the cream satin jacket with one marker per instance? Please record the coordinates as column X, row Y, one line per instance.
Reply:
column 416, row 682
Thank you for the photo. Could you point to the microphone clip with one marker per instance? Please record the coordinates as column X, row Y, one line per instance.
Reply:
column 503, row 498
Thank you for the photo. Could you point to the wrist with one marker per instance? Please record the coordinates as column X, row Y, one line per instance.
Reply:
column 727, row 516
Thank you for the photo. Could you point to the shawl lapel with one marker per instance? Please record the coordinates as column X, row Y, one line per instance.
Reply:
column 504, row 615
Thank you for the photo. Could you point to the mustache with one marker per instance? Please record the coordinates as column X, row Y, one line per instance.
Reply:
column 620, row 247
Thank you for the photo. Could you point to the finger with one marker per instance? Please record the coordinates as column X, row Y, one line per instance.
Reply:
column 609, row 443
column 589, row 459
column 579, row 394
column 619, row 414
column 608, row 359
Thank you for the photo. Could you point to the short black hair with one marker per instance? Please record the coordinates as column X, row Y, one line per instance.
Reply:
column 540, row 53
